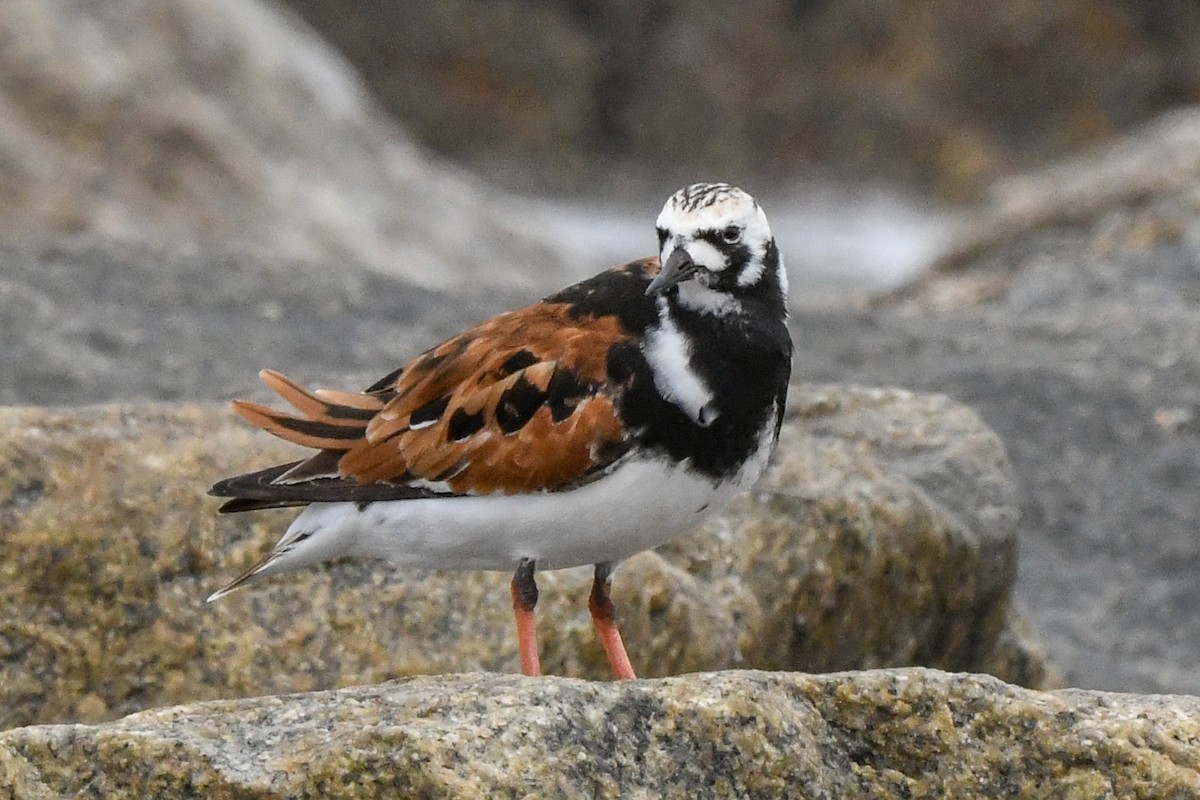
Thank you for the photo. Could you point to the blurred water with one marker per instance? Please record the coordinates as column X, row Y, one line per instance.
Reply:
column 837, row 241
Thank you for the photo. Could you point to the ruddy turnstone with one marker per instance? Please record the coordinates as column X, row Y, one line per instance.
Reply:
column 604, row 420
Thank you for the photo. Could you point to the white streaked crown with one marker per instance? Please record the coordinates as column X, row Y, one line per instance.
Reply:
column 714, row 207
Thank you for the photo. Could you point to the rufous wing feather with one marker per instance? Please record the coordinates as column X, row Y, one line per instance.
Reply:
column 523, row 402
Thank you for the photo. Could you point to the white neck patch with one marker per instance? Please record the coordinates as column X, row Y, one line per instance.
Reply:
column 752, row 272
column 669, row 352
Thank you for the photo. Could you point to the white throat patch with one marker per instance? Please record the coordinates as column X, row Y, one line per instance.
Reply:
column 698, row 297
column 669, row 352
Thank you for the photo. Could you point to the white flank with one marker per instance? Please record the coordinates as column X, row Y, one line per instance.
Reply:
column 641, row 504
column 669, row 353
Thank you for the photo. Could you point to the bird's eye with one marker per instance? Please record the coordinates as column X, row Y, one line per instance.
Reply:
column 731, row 234
column 662, row 237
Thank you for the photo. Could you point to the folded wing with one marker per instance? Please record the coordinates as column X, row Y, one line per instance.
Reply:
column 521, row 403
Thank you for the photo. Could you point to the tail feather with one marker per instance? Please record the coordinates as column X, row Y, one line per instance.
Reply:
column 263, row 489
column 240, row 580
column 329, row 420
column 351, row 400
column 240, row 504
column 322, row 465
column 317, row 434
column 256, row 486
column 313, row 406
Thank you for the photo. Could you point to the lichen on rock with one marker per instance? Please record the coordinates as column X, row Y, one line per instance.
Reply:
column 856, row 550
column 875, row 734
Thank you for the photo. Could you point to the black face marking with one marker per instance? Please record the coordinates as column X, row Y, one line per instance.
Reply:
column 518, row 404
column 430, row 412
column 462, row 425
column 563, row 393
column 517, row 362
column 736, row 256
column 767, row 287
column 662, row 237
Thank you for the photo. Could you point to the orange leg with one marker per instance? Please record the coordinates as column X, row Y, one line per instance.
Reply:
column 601, row 606
column 524, row 598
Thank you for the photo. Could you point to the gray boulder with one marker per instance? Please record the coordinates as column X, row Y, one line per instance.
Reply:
column 1069, row 320
column 883, row 535
column 230, row 124
column 881, row 734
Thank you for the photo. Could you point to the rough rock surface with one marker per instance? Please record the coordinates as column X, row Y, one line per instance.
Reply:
column 881, row 734
column 939, row 93
column 1071, row 324
column 229, row 123
column 884, row 535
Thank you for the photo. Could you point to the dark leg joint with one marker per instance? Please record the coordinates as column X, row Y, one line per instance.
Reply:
column 601, row 606
column 524, row 587
column 600, row 603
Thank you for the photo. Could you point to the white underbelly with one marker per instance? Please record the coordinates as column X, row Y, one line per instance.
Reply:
column 638, row 506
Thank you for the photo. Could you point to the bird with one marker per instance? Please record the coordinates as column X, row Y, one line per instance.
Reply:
column 605, row 419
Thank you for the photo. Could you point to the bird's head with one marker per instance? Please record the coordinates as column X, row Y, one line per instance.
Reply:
column 715, row 245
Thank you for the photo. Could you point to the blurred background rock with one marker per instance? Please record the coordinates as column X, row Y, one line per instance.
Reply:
column 939, row 96
column 868, row 127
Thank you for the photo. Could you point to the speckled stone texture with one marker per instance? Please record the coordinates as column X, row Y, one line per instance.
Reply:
column 884, row 535
column 877, row 734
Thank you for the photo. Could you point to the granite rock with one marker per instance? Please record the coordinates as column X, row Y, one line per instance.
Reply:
column 876, row 734
column 883, row 535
